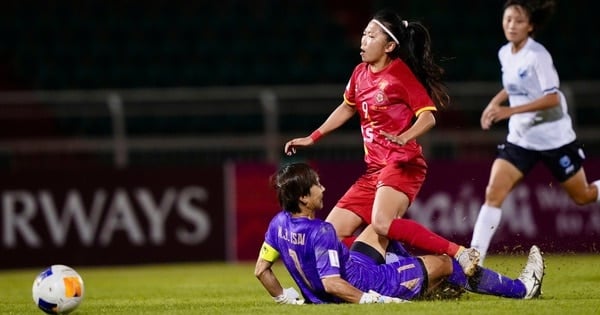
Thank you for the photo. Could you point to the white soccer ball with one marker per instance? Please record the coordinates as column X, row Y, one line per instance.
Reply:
column 58, row 290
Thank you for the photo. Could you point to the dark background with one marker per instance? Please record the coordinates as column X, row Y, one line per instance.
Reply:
column 131, row 44
column 81, row 50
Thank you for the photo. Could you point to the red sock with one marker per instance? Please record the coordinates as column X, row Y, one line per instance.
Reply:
column 418, row 236
column 348, row 240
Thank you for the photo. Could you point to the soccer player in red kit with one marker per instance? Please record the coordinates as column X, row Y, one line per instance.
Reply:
column 394, row 91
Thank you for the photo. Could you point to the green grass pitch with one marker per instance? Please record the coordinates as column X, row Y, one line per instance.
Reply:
column 571, row 286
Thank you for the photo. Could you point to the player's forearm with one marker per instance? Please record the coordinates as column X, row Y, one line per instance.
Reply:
column 338, row 117
column 342, row 289
column 271, row 284
column 425, row 121
column 267, row 278
column 500, row 98
column 544, row 102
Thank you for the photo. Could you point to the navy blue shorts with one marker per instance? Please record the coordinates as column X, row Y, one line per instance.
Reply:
column 562, row 162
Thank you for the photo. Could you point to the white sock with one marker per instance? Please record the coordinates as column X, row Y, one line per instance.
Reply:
column 485, row 226
column 597, row 184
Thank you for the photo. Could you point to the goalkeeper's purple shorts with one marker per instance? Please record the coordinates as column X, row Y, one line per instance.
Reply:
column 405, row 278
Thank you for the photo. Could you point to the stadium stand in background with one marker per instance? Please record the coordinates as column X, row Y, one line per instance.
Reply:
column 130, row 44
column 223, row 62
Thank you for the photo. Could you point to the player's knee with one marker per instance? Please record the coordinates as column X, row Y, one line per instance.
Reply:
column 437, row 266
column 495, row 196
column 380, row 226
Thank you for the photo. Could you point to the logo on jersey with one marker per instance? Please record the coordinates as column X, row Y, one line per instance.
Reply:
column 383, row 84
column 513, row 89
column 334, row 260
column 522, row 73
column 380, row 96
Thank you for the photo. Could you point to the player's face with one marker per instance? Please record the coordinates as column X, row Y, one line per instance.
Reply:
column 516, row 25
column 374, row 44
column 315, row 199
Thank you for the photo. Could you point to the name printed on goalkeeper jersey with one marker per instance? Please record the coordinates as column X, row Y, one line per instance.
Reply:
column 292, row 237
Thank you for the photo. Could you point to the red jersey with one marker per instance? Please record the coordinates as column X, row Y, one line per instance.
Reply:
column 388, row 101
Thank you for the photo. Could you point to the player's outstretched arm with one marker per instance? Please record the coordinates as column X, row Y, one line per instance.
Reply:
column 346, row 291
column 268, row 279
column 337, row 118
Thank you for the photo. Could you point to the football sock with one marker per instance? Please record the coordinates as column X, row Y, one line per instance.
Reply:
column 485, row 226
column 486, row 281
column 418, row 236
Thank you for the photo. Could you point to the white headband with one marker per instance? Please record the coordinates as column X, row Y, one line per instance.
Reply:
column 385, row 29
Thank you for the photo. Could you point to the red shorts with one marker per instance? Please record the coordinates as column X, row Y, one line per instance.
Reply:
column 405, row 177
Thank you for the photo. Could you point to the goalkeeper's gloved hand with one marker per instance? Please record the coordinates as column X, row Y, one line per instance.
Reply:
column 374, row 297
column 289, row 296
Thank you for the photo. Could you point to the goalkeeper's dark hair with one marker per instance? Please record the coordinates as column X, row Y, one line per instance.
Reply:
column 414, row 48
column 538, row 11
column 291, row 182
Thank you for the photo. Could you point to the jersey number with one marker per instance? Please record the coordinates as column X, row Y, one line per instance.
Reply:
column 367, row 132
column 294, row 257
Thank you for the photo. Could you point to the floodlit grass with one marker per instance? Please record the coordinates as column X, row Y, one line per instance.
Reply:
column 571, row 286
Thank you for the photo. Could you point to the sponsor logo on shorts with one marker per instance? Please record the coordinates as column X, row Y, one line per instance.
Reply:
column 566, row 163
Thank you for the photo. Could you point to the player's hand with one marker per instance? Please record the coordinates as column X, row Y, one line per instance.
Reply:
column 289, row 296
column 486, row 119
column 393, row 138
column 493, row 114
column 290, row 146
column 374, row 297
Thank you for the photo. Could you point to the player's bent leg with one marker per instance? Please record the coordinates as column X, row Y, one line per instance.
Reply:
column 344, row 221
column 377, row 242
column 437, row 267
column 416, row 235
column 489, row 282
column 580, row 191
column 503, row 177
column 485, row 227
column 388, row 204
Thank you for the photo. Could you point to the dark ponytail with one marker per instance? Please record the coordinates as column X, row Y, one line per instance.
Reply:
column 415, row 50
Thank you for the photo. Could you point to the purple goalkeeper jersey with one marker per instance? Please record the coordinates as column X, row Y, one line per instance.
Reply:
column 310, row 251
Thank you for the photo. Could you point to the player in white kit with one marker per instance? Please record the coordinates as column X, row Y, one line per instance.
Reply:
column 540, row 127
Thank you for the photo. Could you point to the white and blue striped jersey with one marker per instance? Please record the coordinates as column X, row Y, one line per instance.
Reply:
column 528, row 75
